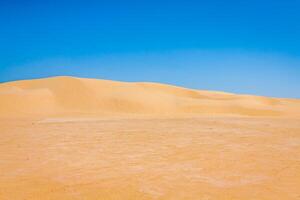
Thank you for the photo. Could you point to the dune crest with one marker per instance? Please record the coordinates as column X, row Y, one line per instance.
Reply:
column 70, row 96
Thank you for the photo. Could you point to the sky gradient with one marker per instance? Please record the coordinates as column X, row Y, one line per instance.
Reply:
column 250, row 47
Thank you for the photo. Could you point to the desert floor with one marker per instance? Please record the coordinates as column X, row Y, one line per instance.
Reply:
column 150, row 158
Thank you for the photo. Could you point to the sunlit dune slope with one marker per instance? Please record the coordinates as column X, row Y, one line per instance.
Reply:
column 71, row 96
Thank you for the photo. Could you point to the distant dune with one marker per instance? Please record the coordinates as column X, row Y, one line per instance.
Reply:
column 63, row 96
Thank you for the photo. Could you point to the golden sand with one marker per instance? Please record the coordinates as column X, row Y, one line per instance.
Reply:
column 71, row 138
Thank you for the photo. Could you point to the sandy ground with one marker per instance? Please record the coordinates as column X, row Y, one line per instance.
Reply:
column 202, row 158
column 73, row 138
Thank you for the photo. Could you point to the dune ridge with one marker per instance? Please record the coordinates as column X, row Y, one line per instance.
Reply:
column 62, row 95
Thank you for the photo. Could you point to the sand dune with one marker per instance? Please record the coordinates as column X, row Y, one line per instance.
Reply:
column 68, row 96
column 73, row 138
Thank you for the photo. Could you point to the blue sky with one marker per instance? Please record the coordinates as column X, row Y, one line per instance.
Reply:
column 236, row 46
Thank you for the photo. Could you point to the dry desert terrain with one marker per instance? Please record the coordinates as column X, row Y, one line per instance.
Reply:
column 73, row 138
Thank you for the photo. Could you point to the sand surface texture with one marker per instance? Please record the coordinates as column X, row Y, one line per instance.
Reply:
column 70, row 138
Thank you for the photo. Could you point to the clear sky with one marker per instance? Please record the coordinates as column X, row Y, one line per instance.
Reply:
column 237, row 46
